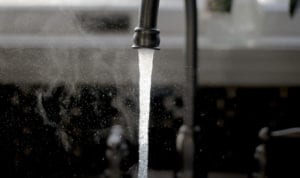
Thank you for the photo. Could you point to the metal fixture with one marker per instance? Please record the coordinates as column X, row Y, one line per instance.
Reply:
column 147, row 36
column 276, row 144
column 116, row 152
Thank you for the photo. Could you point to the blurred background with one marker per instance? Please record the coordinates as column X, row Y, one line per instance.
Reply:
column 68, row 74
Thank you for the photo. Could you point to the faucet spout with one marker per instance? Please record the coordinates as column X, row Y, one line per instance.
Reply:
column 146, row 34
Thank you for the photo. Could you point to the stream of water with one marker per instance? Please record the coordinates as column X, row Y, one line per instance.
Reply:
column 145, row 68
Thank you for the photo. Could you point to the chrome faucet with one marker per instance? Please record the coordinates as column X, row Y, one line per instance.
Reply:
column 146, row 35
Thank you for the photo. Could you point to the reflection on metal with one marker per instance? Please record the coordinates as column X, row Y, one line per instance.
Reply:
column 288, row 133
column 116, row 151
column 185, row 148
column 146, row 34
column 264, row 154
column 265, row 133
column 260, row 156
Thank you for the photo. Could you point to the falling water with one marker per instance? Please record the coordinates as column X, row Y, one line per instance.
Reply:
column 145, row 67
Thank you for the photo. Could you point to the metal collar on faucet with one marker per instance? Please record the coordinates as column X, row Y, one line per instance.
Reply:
column 146, row 35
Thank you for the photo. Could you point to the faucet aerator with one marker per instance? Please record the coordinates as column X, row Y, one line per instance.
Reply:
column 146, row 38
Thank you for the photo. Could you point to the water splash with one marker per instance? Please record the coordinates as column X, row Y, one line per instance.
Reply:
column 145, row 68
column 59, row 126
